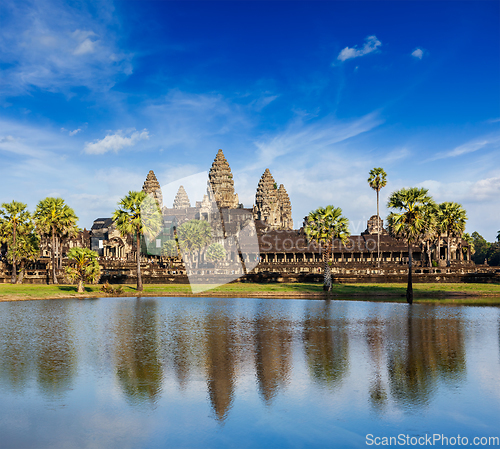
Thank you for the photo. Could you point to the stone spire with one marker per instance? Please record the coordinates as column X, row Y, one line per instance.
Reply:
column 266, row 200
column 181, row 199
column 221, row 183
column 272, row 204
column 285, row 208
column 152, row 188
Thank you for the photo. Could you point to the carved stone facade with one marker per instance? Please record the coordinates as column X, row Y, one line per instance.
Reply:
column 181, row 200
column 373, row 227
column 272, row 204
column 221, row 183
column 152, row 188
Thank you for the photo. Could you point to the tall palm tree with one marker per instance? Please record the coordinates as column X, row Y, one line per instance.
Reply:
column 377, row 180
column 498, row 236
column 84, row 267
column 138, row 214
column 52, row 217
column 14, row 220
column 452, row 218
column 322, row 226
column 410, row 223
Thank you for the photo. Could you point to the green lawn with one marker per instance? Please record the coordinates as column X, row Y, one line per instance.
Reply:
column 442, row 293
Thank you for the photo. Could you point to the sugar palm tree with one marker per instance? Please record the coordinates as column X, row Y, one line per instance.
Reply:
column 193, row 236
column 53, row 218
column 216, row 252
column 452, row 218
column 410, row 222
column 323, row 225
column 138, row 214
column 14, row 219
column 84, row 267
column 377, row 180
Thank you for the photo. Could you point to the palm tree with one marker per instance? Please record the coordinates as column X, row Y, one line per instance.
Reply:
column 193, row 236
column 216, row 252
column 138, row 214
column 53, row 218
column 410, row 223
column 498, row 236
column 431, row 230
column 170, row 249
column 322, row 226
column 14, row 220
column 85, row 267
column 470, row 242
column 377, row 180
column 452, row 218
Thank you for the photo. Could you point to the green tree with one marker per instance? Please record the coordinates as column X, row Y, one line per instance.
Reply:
column 452, row 218
column 193, row 236
column 84, row 267
column 378, row 180
column 27, row 249
column 52, row 219
column 498, row 236
column 410, row 222
column 14, row 220
column 470, row 241
column 216, row 252
column 170, row 249
column 323, row 225
column 138, row 214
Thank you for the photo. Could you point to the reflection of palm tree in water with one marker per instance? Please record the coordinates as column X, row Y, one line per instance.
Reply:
column 431, row 349
column 138, row 365
column 375, row 342
column 326, row 345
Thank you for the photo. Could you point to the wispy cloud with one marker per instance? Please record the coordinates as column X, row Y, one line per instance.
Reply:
column 313, row 137
column 371, row 44
column 486, row 142
column 55, row 46
column 115, row 142
column 418, row 53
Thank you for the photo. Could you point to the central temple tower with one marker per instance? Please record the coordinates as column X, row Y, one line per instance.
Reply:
column 220, row 180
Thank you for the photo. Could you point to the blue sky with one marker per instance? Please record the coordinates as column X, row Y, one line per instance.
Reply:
column 93, row 95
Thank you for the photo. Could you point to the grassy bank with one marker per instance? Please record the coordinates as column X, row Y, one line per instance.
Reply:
column 429, row 293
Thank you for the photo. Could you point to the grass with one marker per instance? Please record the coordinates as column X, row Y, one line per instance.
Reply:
column 428, row 293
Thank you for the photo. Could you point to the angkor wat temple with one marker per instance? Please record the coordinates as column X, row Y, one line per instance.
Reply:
column 282, row 254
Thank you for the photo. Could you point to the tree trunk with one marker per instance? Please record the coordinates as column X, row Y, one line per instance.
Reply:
column 409, row 288
column 139, row 277
column 14, row 262
column 327, row 284
column 448, row 260
column 60, row 252
column 438, row 249
column 378, row 233
column 54, row 277
column 80, row 286
column 20, row 276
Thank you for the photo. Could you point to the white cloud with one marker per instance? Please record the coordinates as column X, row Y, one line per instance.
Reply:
column 76, row 131
column 312, row 137
column 418, row 53
column 87, row 46
column 491, row 141
column 55, row 46
column 115, row 142
column 371, row 44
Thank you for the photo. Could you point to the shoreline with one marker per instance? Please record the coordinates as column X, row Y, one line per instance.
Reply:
column 466, row 294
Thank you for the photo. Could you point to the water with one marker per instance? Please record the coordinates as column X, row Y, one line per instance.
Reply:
column 245, row 373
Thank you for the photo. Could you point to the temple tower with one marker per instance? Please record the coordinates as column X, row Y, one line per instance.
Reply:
column 266, row 201
column 152, row 188
column 285, row 208
column 272, row 204
column 221, row 182
column 181, row 200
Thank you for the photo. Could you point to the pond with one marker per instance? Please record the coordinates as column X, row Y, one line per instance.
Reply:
column 245, row 373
